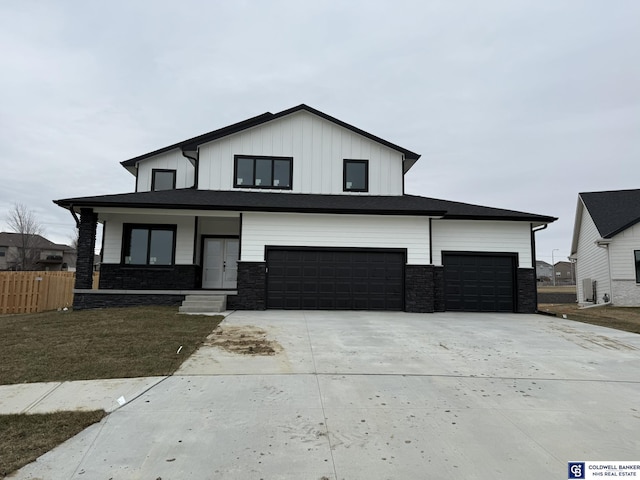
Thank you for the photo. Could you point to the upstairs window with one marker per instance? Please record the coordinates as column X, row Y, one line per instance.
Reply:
column 356, row 176
column 636, row 254
column 148, row 244
column 263, row 172
column 163, row 179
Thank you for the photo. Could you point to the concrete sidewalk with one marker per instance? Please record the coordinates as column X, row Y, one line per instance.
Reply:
column 108, row 395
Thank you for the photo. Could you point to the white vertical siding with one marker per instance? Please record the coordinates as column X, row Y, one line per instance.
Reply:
column 621, row 253
column 592, row 261
column 324, row 230
column 482, row 236
column 113, row 235
column 318, row 148
column 171, row 160
column 624, row 289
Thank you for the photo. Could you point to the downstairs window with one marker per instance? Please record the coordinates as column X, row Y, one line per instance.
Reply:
column 148, row 244
column 636, row 254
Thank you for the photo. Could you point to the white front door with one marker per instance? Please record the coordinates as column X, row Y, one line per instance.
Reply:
column 220, row 262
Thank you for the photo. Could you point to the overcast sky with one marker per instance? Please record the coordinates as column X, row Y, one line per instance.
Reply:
column 512, row 104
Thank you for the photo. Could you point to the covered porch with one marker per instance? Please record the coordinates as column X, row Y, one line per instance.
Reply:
column 157, row 256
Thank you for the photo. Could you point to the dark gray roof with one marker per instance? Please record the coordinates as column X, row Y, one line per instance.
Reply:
column 189, row 198
column 12, row 239
column 613, row 211
column 192, row 143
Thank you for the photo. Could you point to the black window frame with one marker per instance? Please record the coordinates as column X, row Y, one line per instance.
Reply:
column 127, row 228
column 162, row 170
column 348, row 161
column 636, row 257
column 253, row 179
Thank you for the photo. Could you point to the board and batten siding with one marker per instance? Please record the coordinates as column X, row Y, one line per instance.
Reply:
column 326, row 230
column 621, row 253
column 482, row 236
column 112, row 241
column 171, row 160
column 318, row 148
column 624, row 289
column 592, row 261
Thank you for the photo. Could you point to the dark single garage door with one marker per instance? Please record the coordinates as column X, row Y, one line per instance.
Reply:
column 479, row 283
column 335, row 279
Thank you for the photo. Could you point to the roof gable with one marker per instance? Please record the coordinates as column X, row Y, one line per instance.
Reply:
column 193, row 143
column 613, row 211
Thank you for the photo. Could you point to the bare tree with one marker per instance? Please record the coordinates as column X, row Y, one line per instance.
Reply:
column 24, row 222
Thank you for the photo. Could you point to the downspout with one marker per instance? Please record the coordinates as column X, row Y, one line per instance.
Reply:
column 196, row 163
column 604, row 243
column 74, row 215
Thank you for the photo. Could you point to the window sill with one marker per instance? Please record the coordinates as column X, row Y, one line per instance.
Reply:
column 261, row 187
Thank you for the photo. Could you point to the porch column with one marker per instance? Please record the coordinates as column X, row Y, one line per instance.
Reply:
column 86, row 248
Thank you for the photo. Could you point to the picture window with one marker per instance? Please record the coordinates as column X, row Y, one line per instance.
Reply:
column 148, row 244
column 263, row 172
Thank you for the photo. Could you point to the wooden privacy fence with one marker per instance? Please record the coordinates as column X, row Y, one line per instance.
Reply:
column 32, row 292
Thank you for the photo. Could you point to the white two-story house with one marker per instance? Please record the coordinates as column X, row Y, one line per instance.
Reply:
column 299, row 210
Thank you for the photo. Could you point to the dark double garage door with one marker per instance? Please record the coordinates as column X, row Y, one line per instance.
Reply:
column 335, row 279
column 371, row 279
column 479, row 282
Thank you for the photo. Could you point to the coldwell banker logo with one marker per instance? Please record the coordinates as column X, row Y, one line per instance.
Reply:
column 576, row 470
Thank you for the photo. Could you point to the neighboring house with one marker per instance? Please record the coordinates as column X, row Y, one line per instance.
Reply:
column 565, row 273
column 544, row 271
column 34, row 253
column 606, row 247
column 299, row 210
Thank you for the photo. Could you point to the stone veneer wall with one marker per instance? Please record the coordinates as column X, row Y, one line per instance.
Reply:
column 626, row 293
column 438, row 289
column 252, row 287
column 114, row 276
column 86, row 248
column 85, row 301
column 526, row 295
column 418, row 289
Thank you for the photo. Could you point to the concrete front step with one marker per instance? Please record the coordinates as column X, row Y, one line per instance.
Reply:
column 203, row 304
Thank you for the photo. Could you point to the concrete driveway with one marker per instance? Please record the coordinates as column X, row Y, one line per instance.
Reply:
column 362, row 395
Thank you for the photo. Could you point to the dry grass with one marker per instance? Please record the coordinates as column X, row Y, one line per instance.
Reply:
column 90, row 344
column 620, row 318
column 23, row 438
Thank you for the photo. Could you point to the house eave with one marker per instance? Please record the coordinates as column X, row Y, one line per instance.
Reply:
column 251, row 208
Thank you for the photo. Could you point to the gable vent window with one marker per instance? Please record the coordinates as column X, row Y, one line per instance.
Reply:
column 356, row 175
column 636, row 254
column 163, row 179
column 263, row 172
